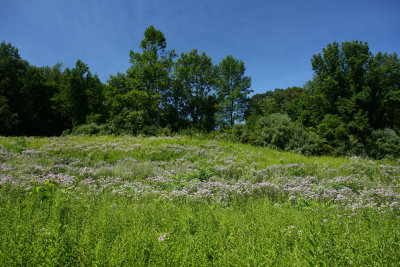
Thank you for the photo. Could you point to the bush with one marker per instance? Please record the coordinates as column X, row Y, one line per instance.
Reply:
column 131, row 122
column 303, row 141
column 236, row 133
column 279, row 131
column 355, row 147
column 385, row 144
column 333, row 131
column 148, row 130
column 94, row 118
column 91, row 129
column 166, row 131
column 273, row 131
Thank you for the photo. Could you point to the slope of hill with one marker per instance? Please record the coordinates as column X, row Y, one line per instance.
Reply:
column 177, row 200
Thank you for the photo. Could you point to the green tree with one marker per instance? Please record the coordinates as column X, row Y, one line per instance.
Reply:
column 310, row 108
column 139, row 98
column 232, row 91
column 384, row 84
column 341, row 78
column 6, row 120
column 36, row 114
column 12, row 72
column 362, row 89
column 80, row 95
column 52, row 80
column 361, row 93
column 194, row 83
column 130, row 109
column 25, row 92
column 340, row 73
column 278, row 101
column 150, row 70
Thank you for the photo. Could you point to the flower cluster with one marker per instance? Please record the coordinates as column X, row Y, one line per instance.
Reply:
column 206, row 171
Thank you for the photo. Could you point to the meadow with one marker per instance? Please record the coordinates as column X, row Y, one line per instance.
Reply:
column 159, row 201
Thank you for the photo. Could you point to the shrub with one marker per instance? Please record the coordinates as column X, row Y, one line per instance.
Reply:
column 235, row 133
column 303, row 141
column 166, row 131
column 334, row 132
column 94, row 118
column 279, row 131
column 91, row 129
column 385, row 143
column 273, row 131
column 355, row 147
column 148, row 130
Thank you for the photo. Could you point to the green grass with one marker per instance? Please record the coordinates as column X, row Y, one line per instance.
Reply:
column 45, row 221
column 111, row 231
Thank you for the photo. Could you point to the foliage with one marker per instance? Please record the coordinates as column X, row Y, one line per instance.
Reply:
column 278, row 101
column 136, row 99
column 279, row 131
column 233, row 88
column 333, row 130
column 25, row 92
column 386, row 143
column 345, row 102
column 80, row 95
column 12, row 68
column 353, row 96
column 150, row 71
column 356, row 85
column 91, row 129
column 192, row 96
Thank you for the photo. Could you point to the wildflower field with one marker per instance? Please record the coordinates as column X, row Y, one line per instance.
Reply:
column 161, row 201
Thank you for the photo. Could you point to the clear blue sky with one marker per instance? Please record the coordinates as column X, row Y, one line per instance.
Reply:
column 276, row 39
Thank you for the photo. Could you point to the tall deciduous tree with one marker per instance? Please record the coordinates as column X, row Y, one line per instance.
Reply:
column 362, row 92
column 384, row 85
column 358, row 85
column 80, row 95
column 130, row 108
column 36, row 114
column 233, row 90
column 12, row 72
column 192, row 96
column 151, row 70
column 340, row 72
column 25, row 92
column 138, row 98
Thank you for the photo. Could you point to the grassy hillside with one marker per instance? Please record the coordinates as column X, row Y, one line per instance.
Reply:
column 169, row 201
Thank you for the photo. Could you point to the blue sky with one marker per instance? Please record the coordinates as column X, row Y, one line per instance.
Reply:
column 276, row 39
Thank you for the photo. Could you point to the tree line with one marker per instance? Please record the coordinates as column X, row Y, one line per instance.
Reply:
column 350, row 107
column 158, row 90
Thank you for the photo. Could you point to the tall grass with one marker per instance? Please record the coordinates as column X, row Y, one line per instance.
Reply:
column 183, row 201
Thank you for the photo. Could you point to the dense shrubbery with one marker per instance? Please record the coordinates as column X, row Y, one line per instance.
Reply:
column 91, row 129
column 279, row 131
column 386, row 144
